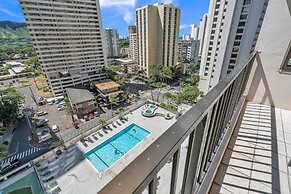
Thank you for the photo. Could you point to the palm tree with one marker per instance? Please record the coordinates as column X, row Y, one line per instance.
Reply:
column 168, row 96
column 102, row 122
column 58, row 144
column 159, row 85
column 194, row 79
column 167, row 74
column 69, row 108
column 120, row 114
column 113, row 100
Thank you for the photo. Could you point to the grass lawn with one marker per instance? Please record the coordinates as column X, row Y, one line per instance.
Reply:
column 114, row 68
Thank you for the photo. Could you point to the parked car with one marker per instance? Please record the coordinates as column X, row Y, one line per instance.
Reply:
column 50, row 103
column 41, row 122
column 9, row 165
column 55, row 128
column 86, row 118
column 2, row 83
column 62, row 108
column 41, row 113
column 91, row 116
column 96, row 114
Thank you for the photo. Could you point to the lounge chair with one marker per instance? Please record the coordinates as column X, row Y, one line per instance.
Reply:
column 84, row 144
column 109, row 128
column 94, row 136
column 118, row 123
column 90, row 140
column 100, row 134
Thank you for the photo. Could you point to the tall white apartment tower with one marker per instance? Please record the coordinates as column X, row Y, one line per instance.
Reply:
column 112, row 39
column 201, row 35
column 67, row 37
column 194, row 32
column 157, row 36
column 231, row 34
column 132, row 38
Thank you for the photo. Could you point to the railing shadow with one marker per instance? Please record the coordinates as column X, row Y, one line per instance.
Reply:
column 251, row 158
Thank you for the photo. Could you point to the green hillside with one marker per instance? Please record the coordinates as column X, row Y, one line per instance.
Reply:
column 8, row 33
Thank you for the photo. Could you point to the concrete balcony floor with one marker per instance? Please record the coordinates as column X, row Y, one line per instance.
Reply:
column 257, row 157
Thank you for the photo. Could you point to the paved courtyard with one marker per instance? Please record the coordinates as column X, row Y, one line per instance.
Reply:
column 75, row 174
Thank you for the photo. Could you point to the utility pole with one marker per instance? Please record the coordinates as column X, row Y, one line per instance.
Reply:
column 32, row 95
column 35, row 82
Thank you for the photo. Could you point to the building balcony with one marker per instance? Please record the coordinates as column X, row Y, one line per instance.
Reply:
column 226, row 143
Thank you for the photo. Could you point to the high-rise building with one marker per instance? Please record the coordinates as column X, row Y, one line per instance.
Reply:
column 194, row 32
column 132, row 38
column 131, row 29
column 186, row 37
column 112, row 39
column 67, row 37
column 157, row 36
column 201, row 34
column 188, row 50
column 231, row 34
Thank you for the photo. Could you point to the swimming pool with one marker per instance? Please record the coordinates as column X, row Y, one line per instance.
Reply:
column 107, row 153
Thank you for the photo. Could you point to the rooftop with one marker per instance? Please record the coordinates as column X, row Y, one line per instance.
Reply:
column 77, row 95
column 106, row 84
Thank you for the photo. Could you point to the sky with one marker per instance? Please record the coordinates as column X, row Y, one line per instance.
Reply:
column 118, row 14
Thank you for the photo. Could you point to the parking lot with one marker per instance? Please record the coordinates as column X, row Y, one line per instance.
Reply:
column 55, row 117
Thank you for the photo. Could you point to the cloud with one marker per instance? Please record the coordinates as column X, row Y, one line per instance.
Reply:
column 124, row 8
column 183, row 26
column 107, row 3
column 128, row 17
column 167, row 1
column 7, row 12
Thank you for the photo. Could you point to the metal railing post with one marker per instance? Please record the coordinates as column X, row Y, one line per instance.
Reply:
column 174, row 175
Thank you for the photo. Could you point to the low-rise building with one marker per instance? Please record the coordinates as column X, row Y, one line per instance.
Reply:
column 82, row 101
column 107, row 88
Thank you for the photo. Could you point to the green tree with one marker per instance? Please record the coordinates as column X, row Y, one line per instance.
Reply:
column 159, row 85
column 113, row 98
column 58, row 144
column 193, row 79
column 69, row 108
column 10, row 101
column 102, row 122
column 169, row 96
column 167, row 74
column 32, row 60
column 189, row 94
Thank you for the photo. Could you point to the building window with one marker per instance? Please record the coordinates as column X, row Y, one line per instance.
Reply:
column 236, row 43
column 240, row 31
column 241, row 24
column 238, row 37
column 286, row 63
column 243, row 16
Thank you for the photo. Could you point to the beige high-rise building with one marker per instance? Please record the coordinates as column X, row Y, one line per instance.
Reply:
column 132, row 38
column 194, row 32
column 157, row 36
column 67, row 37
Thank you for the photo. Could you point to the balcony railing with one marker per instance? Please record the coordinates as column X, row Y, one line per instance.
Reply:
column 207, row 127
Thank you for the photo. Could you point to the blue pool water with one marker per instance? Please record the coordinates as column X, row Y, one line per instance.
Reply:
column 107, row 153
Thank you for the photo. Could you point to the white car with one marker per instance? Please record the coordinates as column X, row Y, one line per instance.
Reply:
column 62, row 108
column 55, row 128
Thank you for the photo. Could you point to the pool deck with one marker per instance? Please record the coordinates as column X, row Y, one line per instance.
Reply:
column 83, row 176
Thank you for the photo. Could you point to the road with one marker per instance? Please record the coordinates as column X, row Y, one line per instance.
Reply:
column 20, row 147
